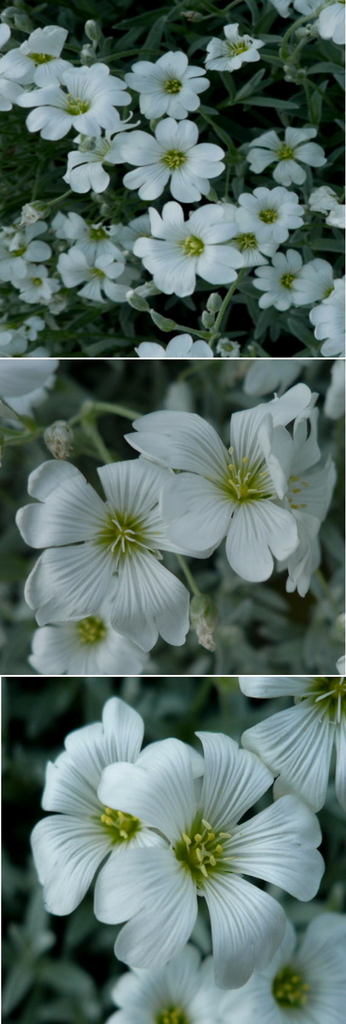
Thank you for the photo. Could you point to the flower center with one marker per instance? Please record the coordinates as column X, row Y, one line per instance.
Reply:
column 268, row 216
column 296, row 486
column 247, row 481
column 18, row 252
column 91, row 630
column 125, row 535
column 36, row 281
column 235, row 48
column 246, row 241
column 289, row 989
column 201, row 851
column 172, row 1015
column 172, row 85
column 40, row 58
column 329, row 694
column 75, row 105
column 174, row 159
column 121, row 827
column 192, row 246
column 285, row 152
column 97, row 234
column 97, row 272
column 287, row 280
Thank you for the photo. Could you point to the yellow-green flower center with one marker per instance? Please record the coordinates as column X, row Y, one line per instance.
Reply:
column 75, row 105
column 246, row 241
column 172, row 85
column 97, row 272
column 174, row 159
column 192, row 246
column 247, row 481
column 120, row 827
column 36, row 281
column 125, row 535
column 18, row 252
column 236, row 48
column 40, row 58
column 201, row 851
column 269, row 216
column 287, row 280
column 285, row 152
column 172, row 1015
column 328, row 694
column 289, row 989
column 91, row 630
column 97, row 234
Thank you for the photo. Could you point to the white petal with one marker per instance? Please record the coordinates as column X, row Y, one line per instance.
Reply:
column 182, row 441
column 232, row 780
column 196, row 513
column 73, row 512
column 164, row 925
column 258, row 531
column 247, row 925
column 150, row 601
column 340, row 777
column 273, row 686
column 70, row 582
column 67, row 852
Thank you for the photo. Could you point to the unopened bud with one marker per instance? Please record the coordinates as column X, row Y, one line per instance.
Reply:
column 214, row 302
column 32, row 212
column 87, row 54
column 203, row 620
column 92, row 31
column 207, row 318
column 162, row 322
column 192, row 15
column 137, row 301
column 59, row 439
column 17, row 19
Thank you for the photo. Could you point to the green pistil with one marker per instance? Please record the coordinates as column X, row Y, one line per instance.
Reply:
column 18, row 252
column 328, row 292
column 174, row 159
column 36, row 281
column 268, row 216
column 201, row 851
column 192, row 246
column 287, row 280
column 121, row 827
column 98, row 273
column 285, row 152
column 40, row 58
column 289, row 989
column 246, row 241
column 91, row 630
column 328, row 694
column 97, row 234
column 172, row 1015
column 172, row 85
column 236, row 48
column 124, row 535
column 246, row 482
column 76, row 106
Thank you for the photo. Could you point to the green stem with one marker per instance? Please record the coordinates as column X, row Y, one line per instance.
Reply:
column 93, row 408
column 293, row 28
column 90, row 429
column 216, row 330
column 188, row 576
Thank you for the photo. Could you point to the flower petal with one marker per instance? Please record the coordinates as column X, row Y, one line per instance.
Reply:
column 67, row 852
column 232, row 781
column 247, row 926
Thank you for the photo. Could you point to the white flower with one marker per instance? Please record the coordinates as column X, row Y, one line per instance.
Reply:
column 230, row 54
column 272, row 375
column 337, row 216
column 103, row 551
column 297, row 744
column 328, row 319
column 234, row 493
column 20, row 246
column 274, row 212
column 331, row 23
column 182, row 249
column 334, row 405
column 315, row 282
column 23, row 384
column 9, row 90
column 70, row 846
column 14, row 341
column 249, row 243
column 36, row 286
column 279, row 282
column 173, row 157
column 38, row 58
column 282, row 7
column 85, row 168
column 287, row 155
column 88, row 647
column 227, row 348
column 136, row 228
column 99, row 273
column 206, row 853
column 302, row 984
column 181, row 992
column 92, row 239
column 322, row 199
column 180, row 347
column 85, row 100
column 168, row 86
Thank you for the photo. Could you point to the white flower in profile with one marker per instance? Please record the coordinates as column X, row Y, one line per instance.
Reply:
column 172, row 157
column 287, row 155
column 168, row 86
column 180, row 249
column 180, row 347
column 38, row 58
column 181, row 992
column 23, row 384
column 207, row 852
column 282, row 7
column 297, row 744
column 234, row 493
column 9, row 90
column 20, row 246
column 99, row 273
column 274, row 212
column 331, row 22
column 36, row 286
column 337, row 217
column 230, row 53
column 322, row 199
column 328, row 319
column 88, row 647
column 304, row 982
column 85, row 166
column 334, row 405
column 70, row 846
column 85, row 100
column 279, row 281
column 272, row 375
column 103, row 552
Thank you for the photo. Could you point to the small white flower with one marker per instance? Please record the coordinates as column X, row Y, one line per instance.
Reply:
column 88, row 647
column 23, row 384
column 103, row 551
column 328, row 319
column 227, row 348
column 173, row 157
column 248, row 241
column 14, row 340
column 99, row 273
column 91, row 239
column 180, row 347
column 297, row 744
column 38, row 58
column 287, row 155
column 70, row 846
column 9, row 90
column 85, row 170
column 85, row 100
column 36, row 286
column 274, row 212
column 168, row 86
column 337, row 216
column 279, row 282
column 207, row 852
column 322, row 199
column 182, row 249
column 331, row 23
column 272, row 375
column 315, row 282
column 20, row 246
column 234, row 493
column 230, row 54
column 303, row 984
column 282, row 7
column 181, row 992
column 136, row 228
column 334, row 405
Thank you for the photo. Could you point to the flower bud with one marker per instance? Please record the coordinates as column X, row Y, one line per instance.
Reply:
column 137, row 301
column 207, row 318
column 162, row 322
column 59, row 439
column 31, row 212
column 92, row 31
column 203, row 620
column 214, row 302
